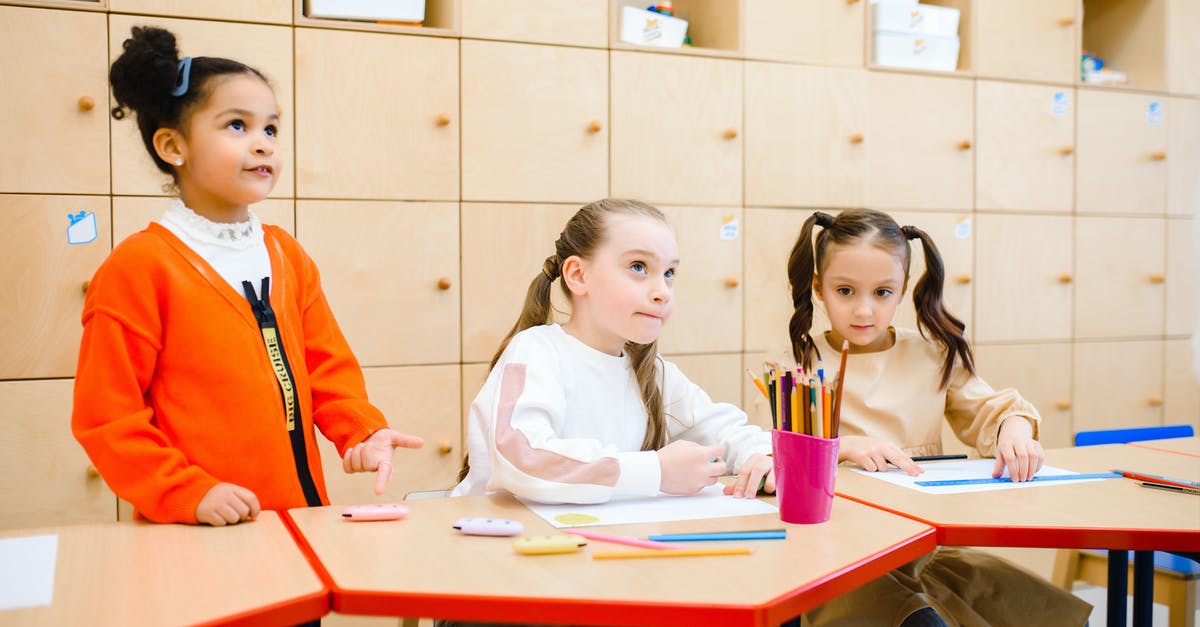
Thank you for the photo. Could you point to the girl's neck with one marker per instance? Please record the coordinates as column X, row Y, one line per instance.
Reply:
column 585, row 333
column 889, row 340
column 213, row 209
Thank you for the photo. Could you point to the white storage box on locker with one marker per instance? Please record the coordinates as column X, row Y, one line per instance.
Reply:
column 647, row 28
column 368, row 10
column 923, row 19
column 922, row 52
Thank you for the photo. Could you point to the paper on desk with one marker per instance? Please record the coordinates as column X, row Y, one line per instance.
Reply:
column 967, row 469
column 27, row 571
column 710, row 502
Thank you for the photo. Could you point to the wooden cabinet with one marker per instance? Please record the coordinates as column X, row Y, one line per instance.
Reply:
column 1039, row 373
column 1025, row 158
column 708, row 287
column 770, row 235
column 805, row 134
column 719, row 375
column 1181, row 320
column 378, row 115
column 566, row 22
column 54, row 113
column 1181, row 388
column 1118, row 384
column 920, row 151
column 44, row 277
column 265, row 48
column 1032, row 40
column 817, row 32
column 132, row 213
column 391, row 273
column 1119, row 262
column 954, row 236
column 49, row 479
column 1025, row 283
column 272, row 11
column 558, row 122
column 713, row 26
column 418, row 400
column 1183, row 47
column 1122, row 153
column 1183, row 157
column 503, row 247
column 676, row 129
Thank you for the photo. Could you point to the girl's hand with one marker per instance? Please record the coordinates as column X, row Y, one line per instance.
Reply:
column 375, row 453
column 1017, row 450
column 751, row 472
column 688, row 467
column 227, row 504
column 874, row 454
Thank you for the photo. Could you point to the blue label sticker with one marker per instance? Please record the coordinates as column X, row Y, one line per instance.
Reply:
column 962, row 230
column 1061, row 104
column 82, row 227
column 729, row 227
column 1154, row 113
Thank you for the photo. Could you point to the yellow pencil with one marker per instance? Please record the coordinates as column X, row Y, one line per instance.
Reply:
column 614, row 555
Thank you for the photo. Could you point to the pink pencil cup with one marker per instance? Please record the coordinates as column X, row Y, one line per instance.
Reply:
column 805, row 468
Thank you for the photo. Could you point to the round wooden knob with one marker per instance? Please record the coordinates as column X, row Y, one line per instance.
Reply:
column 92, row 473
column 1158, row 278
column 1158, row 155
column 1064, row 278
column 444, row 447
column 1066, row 21
column 85, row 286
column 1063, row 405
column 851, row 1
column 1154, row 400
column 594, row 126
column 964, row 144
column 732, row 281
column 443, row 120
column 856, row 138
column 444, row 283
column 86, row 103
column 1066, row 151
column 963, row 278
column 730, row 133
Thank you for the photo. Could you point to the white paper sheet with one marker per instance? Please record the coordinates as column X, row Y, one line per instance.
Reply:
column 968, row 469
column 709, row 503
column 27, row 571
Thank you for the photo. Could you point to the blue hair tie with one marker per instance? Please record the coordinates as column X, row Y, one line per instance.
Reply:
column 185, row 75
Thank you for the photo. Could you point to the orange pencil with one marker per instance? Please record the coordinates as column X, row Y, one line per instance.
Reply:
column 758, row 384
column 826, row 410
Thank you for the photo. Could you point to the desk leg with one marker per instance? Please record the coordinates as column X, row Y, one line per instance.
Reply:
column 1143, row 588
column 1118, row 586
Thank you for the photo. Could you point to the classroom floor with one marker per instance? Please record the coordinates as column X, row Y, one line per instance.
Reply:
column 1097, row 596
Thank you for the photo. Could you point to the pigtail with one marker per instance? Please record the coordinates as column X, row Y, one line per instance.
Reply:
column 932, row 315
column 645, row 362
column 801, row 271
column 537, row 309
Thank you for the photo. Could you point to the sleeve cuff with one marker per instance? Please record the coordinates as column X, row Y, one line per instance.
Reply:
column 640, row 474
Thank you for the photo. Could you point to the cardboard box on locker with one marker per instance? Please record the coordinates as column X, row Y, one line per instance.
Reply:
column 923, row 19
column 368, row 10
column 922, row 52
column 647, row 28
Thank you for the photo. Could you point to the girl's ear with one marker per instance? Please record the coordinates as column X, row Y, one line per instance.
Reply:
column 816, row 289
column 170, row 146
column 573, row 275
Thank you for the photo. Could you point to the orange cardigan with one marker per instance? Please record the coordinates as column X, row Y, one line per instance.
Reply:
column 174, row 391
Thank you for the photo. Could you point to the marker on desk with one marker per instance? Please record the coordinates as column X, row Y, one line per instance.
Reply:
column 1172, row 488
column 759, row 534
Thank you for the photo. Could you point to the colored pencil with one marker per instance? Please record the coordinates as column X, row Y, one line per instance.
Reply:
column 614, row 555
column 836, row 421
column 759, row 384
column 1172, row 488
column 1179, row 483
column 638, row 542
column 761, row 534
column 936, row 458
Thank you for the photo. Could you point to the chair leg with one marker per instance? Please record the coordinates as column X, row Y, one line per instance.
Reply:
column 409, row 622
column 1181, row 602
column 1066, row 569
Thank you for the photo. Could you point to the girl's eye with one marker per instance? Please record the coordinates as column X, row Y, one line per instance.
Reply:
column 670, row 274
column 271, row 131
column 883, row 292
column 638, row 267
column 845, row 291
column 236, row 125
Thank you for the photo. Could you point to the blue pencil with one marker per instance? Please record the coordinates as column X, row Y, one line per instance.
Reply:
column 765, row 534
column 945, row 482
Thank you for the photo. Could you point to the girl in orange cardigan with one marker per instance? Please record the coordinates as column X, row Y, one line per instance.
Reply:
column 209, row 352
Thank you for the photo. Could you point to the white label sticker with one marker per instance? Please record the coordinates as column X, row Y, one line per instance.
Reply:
column 962, row 229
column 1154, row 113
column 1061, row 104
column 82, row 227
column 729, row 227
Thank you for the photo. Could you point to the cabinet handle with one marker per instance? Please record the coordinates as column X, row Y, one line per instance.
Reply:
column 1066, row 21
column 444, row 283
column 851, row 1
column 1158, row 278
column 1064, row 278
column 732, row 281
column 856, row 138
column 1066, row 151
column 964, row 144
column 86, row 103
column 594, row 126
column 442, row 119
column 444, row 447
column 1158, row 155
column 730, row 133
column 1154, row 400
column 1063, row 405
column 963, row 279
column 85, row 286
column 92, row 473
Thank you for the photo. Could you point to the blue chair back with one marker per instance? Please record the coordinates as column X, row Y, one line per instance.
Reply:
column 1134, row 434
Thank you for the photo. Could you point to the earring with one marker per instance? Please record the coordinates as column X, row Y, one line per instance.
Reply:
column 179, row 161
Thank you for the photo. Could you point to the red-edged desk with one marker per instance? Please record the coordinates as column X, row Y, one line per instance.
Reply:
column 422, row 567
column 1183, row 446
column 137, row 573
column 1110, row 514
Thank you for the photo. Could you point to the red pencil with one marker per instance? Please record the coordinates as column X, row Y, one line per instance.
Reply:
column 1155, row 479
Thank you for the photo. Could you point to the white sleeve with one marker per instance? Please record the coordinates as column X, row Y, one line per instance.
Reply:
column 692, row 415
column 531, row 460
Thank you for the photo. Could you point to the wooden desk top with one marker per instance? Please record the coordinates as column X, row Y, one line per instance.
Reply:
column 139, row 573
column 421, row 566
column 1112, row 513
column 1187, row 446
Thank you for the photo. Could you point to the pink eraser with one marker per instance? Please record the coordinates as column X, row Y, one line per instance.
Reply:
column 359, row 513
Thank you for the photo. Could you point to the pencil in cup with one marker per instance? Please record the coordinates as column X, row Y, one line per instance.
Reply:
column 836, row 420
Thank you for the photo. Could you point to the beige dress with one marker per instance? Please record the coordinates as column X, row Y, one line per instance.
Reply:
column 894, row 395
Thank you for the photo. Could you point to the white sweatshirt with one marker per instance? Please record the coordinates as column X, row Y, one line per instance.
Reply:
column 560, row 422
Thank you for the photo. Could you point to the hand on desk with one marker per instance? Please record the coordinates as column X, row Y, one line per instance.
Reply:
column 758, row 468
column 375, row 454
column 1017, row 450
column 874, row 454
column 688, row 467
column 226, row 504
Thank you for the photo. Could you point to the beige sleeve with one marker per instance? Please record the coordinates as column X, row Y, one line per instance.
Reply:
column 976, row 411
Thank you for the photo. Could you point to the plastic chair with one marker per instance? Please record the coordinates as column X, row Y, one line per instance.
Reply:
column 1175, row 577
